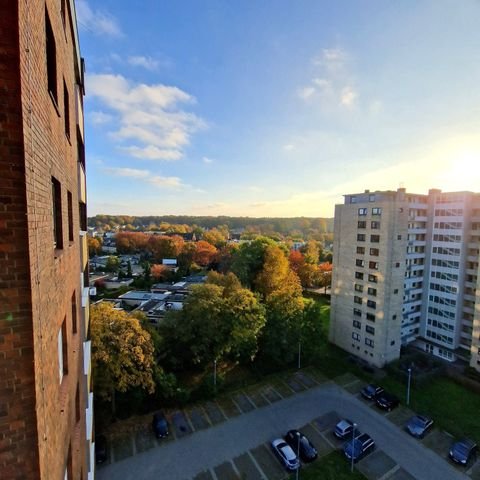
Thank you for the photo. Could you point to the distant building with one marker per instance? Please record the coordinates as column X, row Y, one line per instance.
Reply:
column 406, row 271
column 46, row 399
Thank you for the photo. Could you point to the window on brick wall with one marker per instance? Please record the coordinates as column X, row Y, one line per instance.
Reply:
column 77, row 404
column 358, row 287
column 70, row 216
column 359, row 262
column 370, row 316
column 357, row 312
column 369, row 329
column 62, row 350
column 375, row 225
column 66, row 110
column 371, row 304
column 372, row 291
column 63, row 12
column 375, row 238
column 80, row 149
column 357, row 300
column 359, row 275
column 374, row 252
column 361, row 250
column 357, row 324
column 372, row 278
column 57, row 213
column 362, row 224
column 83, row 216
column 360, row 237
column 362, row 211
column 74, row 312
column 51, row 52
column 373, row 265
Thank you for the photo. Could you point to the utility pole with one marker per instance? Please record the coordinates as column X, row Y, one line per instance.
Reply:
column 408, row 385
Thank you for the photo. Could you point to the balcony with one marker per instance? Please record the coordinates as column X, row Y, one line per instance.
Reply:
column 79, row 110
column 89, row 417
column 83, row 250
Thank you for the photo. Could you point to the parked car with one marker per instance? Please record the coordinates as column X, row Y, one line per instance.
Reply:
column 285, row 453
column 370, row 392
column 463, row 451
column 343, row 428
column 387, row 401
column 100, row 449
column 301, row 444
column 418, row 425
column 160, row 425
column 359, row 447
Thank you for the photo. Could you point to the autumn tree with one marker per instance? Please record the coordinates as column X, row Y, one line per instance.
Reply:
column 162, row 246
column 159, row 272
column 224, row 258
column 94, row 245
column 296, row 260
column 311, row 252
column 131, row 242
column 204, row 253
column 122, row 353
column 112, row 265
column 185, row 259
column 215, row 237
column 325, row 271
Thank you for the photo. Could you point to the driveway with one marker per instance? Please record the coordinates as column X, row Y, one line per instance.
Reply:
column 205, row 449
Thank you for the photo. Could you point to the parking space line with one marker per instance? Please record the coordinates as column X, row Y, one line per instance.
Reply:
column 277, row 392
column 390, row 472
column 235, row 469
column 259, row 468
column 252, row 403
column 237, row 405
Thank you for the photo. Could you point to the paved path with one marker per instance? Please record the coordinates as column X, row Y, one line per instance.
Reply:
column 205, row 449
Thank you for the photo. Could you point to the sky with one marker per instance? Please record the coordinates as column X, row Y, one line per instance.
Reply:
column 276, row 107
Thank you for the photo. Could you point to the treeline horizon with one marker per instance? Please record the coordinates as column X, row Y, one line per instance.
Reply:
column 284, row 225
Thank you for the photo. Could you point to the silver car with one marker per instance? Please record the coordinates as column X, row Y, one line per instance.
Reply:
column 285, row 453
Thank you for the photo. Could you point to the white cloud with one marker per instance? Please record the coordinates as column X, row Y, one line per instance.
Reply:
column 289, row 147
column 148, row 63
column 207, row 160
column 151, row 123
column 306, row 92
column 332, row 59
column 97, row 22
column 146, row 176
column 348, row 96
column 100, row 118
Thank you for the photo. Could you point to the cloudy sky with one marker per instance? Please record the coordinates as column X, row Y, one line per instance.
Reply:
column 275, row 107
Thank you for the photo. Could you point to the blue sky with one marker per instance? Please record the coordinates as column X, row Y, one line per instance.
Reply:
column 276, row 108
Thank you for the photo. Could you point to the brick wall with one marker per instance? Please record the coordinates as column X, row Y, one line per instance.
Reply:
column 38, row 424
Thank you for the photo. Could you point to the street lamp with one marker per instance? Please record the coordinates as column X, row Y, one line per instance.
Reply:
column 408, row 385
column 353, row 447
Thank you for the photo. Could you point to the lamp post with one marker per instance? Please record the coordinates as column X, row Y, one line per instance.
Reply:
column 297, row 473
column 408, row 385
column 353, row 447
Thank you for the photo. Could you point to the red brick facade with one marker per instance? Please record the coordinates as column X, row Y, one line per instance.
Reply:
column 42, row 419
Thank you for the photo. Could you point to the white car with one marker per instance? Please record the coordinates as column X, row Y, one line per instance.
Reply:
column 285, row 453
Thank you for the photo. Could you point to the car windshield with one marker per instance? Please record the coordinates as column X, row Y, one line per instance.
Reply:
column 370, row 388
column 287, row 452
column 462, row 448
column 418, row 421
column 355, row 447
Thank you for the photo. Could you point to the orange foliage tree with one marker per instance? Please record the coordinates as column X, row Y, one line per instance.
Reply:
column 204, row 253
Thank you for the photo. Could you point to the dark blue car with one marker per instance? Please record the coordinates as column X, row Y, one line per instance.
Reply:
column 463, row 451
column 359, row 447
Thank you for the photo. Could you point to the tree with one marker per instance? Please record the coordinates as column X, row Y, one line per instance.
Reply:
column 219, row 320
column 122, row 353
column 311, row 252
column 224, row 259
column 325, row 270
column 204, row 253
column 94, row 246
column 131, row 242
column 129, row 269
column 215, row 237
column 159, row 272
column 296, row 260
column 112, row 265
column 162, row 246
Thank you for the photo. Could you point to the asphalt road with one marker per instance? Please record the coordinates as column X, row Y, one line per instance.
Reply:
column 184, row 458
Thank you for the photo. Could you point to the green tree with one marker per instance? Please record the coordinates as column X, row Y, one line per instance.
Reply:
column 122, row 353
column 112, row 265
column 129, row 270
column 311, row 252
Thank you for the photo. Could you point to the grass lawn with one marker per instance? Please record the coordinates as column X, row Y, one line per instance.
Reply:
column 452, row 407
column 333, row 466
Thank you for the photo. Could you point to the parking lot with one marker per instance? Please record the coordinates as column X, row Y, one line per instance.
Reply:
column 229, row 439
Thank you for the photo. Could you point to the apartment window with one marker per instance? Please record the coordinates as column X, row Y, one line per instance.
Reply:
column 70, row 216
column 362, row 211
column 374, row 252
column 370, row 317
column 74, row 312
column 51, row 51
column 66, row 110
column 80, row 149
column 358, row 287
column 62, row 350
column 77, row 403
column 372, row 291
column 369, row 342
column 359, row 275
column 357, row 300
column 369, row 329
column 371, row 304
column 394, row 317
column 371, row 198
column 360, row 237
column 399, row 237
column 375, row 225
column 57, row 213
column 376, row 211
column 357, row 324
column 395, row 291
column 392, row 343
column 353, row 199
column 357, row 312
column 83, row 216
column 361, row 250
column 397, row 264
column 375, row 238
column 372, row 278
column 359, row 262
column 361, row 224
column 356, row 336
column 373, row 265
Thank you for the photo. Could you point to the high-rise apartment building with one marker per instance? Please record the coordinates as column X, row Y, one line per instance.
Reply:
column 406, row 269
column 45, row 398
